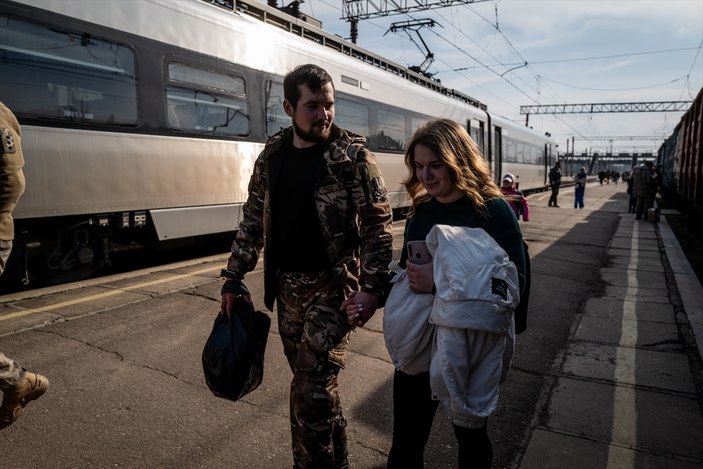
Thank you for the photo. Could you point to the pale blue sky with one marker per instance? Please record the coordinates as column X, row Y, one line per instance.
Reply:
column 577, row 51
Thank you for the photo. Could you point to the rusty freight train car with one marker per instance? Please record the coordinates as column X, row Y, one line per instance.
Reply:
column 680, row 160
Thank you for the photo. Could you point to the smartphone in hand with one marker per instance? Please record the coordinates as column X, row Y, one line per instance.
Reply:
column 418, row 252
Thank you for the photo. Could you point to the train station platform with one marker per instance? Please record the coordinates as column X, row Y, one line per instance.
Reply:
column 606, row 376
column 627, row 391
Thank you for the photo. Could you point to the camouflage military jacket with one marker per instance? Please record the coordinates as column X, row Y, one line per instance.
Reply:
column 11, row 175
column 358, row 257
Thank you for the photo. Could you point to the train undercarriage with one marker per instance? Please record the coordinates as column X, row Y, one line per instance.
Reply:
column 64, row 249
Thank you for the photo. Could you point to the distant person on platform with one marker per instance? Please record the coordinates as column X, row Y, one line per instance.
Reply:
column 515, row 198
column 18, row 385
column 645, row 188
column 601, row 176
column 632, row 197
column 554, row 183
column 318, row 208
column 580, row 187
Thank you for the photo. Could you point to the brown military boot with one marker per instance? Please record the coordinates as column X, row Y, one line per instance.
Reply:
column 31, row 387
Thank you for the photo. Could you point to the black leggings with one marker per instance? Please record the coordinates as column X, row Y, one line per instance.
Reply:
column 413, row 413
column 475, row 448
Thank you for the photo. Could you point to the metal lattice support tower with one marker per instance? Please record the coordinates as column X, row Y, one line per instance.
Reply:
column 355, row 10
column 655, row 138
column 593, row 108
column 596, row 108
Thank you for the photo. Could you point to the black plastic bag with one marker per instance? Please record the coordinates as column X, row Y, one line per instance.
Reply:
column 233, row 356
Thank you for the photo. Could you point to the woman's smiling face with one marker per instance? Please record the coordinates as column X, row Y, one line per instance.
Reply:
column 434, row 175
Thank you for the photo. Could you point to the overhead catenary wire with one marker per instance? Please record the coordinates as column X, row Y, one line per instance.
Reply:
column 512, row 67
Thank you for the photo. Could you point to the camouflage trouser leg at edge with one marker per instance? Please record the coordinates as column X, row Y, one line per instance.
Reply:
column 10, row 372
column 5, row 249
column 315, row 335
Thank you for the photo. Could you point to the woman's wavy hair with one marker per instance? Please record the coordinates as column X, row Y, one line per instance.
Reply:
column 468, row 169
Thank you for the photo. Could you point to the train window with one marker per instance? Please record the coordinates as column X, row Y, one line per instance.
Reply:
column 53, row 73
column 528, row 155
column 352, row 116
column 511, row 151
column 523, row 152
column 276, row 117
column 416, row 122
column 391, row 131
column 218, row 82
column 205, row 101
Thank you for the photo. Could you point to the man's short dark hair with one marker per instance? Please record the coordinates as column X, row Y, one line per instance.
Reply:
column 310, row 75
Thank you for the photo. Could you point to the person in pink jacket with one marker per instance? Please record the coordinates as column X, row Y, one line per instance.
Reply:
column 515, row 198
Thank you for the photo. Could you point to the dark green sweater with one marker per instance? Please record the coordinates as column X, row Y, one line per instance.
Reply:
column 500, row 223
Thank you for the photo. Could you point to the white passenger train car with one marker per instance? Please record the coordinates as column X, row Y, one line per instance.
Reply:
column 141, row 119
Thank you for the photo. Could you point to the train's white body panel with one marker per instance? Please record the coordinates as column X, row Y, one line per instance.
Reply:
column 174, row 172
column 183, row 177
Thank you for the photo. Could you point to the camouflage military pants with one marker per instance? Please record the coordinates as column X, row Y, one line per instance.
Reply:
column 10, row 372
column 315, row 336
column 5, row 249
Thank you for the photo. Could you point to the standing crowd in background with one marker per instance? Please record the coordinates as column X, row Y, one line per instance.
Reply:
column 645, row 184
column 642, row 186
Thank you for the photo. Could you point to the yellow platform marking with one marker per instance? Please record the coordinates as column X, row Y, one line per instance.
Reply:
column 624, row 426
column 106, row 294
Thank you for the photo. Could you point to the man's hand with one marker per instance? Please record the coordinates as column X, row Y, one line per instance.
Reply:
column 228, row 301
column 360, row 306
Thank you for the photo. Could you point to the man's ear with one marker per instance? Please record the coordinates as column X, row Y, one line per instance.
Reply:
column 288, row 107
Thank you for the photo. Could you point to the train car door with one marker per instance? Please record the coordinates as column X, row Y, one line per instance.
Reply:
column 494, row 149
column 497, row 152
column 477, row 133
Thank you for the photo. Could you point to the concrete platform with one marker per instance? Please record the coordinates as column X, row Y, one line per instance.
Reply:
column 625, row 393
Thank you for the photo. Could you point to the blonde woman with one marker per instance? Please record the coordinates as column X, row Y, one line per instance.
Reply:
column 450, row 183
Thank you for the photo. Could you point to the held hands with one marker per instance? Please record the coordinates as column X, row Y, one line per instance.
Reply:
column 228, row 300
column 360, row 306
column 420, row 277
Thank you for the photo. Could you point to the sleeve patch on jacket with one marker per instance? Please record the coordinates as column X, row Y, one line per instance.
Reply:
column 499, row 287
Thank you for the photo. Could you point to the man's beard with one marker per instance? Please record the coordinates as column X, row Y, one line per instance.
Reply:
column 312, row 135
